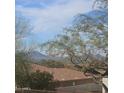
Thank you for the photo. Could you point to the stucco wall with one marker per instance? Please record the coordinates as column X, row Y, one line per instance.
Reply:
column 105, row 81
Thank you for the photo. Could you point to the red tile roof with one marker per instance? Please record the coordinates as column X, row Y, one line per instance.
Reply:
column 60, row 74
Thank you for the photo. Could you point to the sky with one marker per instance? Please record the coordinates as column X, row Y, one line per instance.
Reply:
column 49, row 17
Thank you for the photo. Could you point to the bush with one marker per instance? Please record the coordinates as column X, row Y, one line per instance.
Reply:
column 22, row 70
column 41, row 81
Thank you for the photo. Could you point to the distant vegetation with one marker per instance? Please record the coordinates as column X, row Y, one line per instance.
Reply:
column 52, row 64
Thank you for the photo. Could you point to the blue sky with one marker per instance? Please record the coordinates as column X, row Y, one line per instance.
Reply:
column 49, row 17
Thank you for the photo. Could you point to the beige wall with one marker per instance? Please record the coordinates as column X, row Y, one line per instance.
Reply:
column 105, row 81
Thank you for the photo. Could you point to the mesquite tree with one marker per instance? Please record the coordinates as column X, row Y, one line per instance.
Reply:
column 85, row 43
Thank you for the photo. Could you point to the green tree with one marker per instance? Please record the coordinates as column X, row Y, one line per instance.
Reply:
column 22, row 67
column 41, row 81
column 22, row 70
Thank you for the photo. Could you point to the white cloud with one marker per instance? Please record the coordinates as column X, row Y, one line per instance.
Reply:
column 56, row 16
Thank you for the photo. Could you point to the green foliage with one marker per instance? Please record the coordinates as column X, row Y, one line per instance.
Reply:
column 41, row 81
column 52, row 64
column 25, row 78
column 21, row 79
column 22, row 70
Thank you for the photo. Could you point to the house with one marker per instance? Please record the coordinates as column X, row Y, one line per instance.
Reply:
column 60, row 74
column 69, row 80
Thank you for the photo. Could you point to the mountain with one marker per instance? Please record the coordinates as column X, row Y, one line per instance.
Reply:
column 39, row 57
column 36, row 56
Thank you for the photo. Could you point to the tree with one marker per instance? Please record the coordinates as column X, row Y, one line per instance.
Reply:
column 22, row 30
column 84, row 43
column 100, row 4
column 22, row 70
column 41, row 81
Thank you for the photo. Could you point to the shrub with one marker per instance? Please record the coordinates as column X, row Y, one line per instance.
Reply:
column 41, row 81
